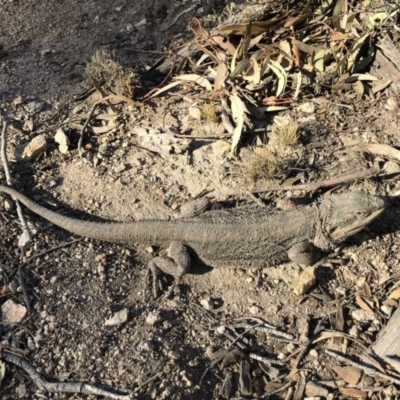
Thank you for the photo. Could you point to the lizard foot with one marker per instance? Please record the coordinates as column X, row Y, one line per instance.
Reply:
column 194, row 208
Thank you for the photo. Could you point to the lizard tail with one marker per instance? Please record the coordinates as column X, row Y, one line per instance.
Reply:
column 144, row 231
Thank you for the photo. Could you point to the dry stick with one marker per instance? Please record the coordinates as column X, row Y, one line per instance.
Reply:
column 24, row 290
column 289, row 394
column 226, row 350
column 148, row 381
column 102, row 92
column 281, row 389
column 208, row 137
column 320, row 184
column 318, row 329
column 275, row 333
column 44, row 252
column 367, row 370
column 111, row 97
column 56, row 387
column 177, row 18
column 26, row 232
column 255, row 199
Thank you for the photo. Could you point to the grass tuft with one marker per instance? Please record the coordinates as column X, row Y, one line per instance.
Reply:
column 102, row 67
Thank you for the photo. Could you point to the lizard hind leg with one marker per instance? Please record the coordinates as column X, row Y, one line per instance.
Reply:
column 177, row 264
column 178, row 261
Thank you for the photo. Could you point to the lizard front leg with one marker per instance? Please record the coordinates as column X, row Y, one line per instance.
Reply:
column 305, row 253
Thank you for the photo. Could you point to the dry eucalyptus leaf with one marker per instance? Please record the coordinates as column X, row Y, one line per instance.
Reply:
column 395, row 294
column 300, row 387
column 257, row 27
column 255, row 78
column 281, row 74
column 224, row 43
column 353, row 392
column 316, row 53
column 364, row 305
column 222, row 74
column 350, row 374
column 2, row 370
column 358, row 87
column 197, row 79
column 237, row 108
column 392, row 103
column 361, row 77
column 378, row 150
column 165, row 88
column 381, row 86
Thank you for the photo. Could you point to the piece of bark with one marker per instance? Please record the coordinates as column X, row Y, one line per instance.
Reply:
column 245, row 379
column 386, row 63
column 226, row 388
column 387, row 345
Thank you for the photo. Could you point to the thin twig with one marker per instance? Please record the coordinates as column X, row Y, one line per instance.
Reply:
column 209, row 137
column 318, row 329
column 261, row 328
column 44, row 252
column 256, row 199
column 26, row 233
column 149, row 380
column 63, row 387
column 289, row 393
column 267, row 360
column 24, row 290
column 102, row 92
column 366, row 369
column 281, row 389
column 104, row 99
column 220, row 358
column 177, row 18
column 337, row 180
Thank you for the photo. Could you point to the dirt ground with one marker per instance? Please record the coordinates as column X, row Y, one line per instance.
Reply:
column 76, row 288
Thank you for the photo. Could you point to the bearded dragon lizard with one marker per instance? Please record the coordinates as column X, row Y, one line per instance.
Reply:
column 240, row 237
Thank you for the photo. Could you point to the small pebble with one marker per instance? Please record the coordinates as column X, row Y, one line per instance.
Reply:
column 153, row 318
column 207, row 303
column 314, row 353
column 254, row 310
column 145, row 346
column 8, row 204
column 221, row 330
column 174, row 355
column 118, row 318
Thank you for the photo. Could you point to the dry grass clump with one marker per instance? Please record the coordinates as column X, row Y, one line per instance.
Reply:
column 208, row 112
column 288, row 133
column 104, row 68
column 261, row 166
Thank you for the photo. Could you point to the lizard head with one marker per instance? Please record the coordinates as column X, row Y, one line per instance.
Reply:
column 343, row 215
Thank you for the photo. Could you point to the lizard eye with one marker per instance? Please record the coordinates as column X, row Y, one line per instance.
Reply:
column 360, row 214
